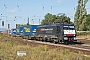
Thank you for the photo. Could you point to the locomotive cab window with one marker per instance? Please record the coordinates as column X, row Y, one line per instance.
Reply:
column 71, row 27
column 68, row 27
column 65, row 27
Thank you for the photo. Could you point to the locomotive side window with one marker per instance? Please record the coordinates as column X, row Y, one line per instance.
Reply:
column 58, row 29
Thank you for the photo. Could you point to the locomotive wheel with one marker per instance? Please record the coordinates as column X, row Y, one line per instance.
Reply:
column 59, row 41
column 28, row 37
column 23, row 37
column 40, row 39
column 66, row 42
column 37, row 38
column 54, row 42
column 45, row 40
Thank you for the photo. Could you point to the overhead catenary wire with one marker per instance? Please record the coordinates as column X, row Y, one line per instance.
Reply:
column 5, row 6
column 18, row 7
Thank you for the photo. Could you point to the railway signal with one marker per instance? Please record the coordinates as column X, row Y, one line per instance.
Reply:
column 5, row 6
column 8, row 26
column 2, row 23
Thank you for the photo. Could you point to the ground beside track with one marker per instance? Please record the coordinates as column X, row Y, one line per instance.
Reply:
column 41, row 50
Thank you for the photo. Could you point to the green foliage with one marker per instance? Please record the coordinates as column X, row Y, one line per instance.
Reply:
column 87, row 24
column 18, row 25
column 49, row 18
column 43, row 48
column 10, row 44
column 80, row 15
column 83, row 33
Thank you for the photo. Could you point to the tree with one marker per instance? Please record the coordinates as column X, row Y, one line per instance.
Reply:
column 87, row 24
column 80, row 15
column 49, row 18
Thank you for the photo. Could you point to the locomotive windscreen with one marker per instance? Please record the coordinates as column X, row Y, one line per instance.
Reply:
column 68, row 27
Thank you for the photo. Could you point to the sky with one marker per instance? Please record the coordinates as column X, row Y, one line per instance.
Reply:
column 18, row 11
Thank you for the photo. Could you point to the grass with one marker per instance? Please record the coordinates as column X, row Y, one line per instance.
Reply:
column 8, row 51
column 84, row 37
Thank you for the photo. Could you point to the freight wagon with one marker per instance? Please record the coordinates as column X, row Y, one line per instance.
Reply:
column 29, row 31
column 19, row 30
column 13, row 31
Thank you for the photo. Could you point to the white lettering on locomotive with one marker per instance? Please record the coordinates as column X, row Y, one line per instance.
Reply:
column 46, row 29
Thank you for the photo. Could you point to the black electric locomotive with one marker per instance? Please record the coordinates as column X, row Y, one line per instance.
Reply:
column 57, row 32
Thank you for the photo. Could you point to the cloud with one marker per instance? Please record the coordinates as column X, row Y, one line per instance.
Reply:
column 59, row 0
column 10, row 16
column 71, row 13
column 88, row 11
column 12, row 10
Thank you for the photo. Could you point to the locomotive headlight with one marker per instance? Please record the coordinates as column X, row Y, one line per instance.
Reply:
column 65, row 38
column 73, row 34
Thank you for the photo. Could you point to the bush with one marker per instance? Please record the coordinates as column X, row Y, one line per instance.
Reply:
column 83, row 33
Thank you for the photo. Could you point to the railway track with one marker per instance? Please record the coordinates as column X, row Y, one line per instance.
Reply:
column 76, row 47
column 83, row 46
